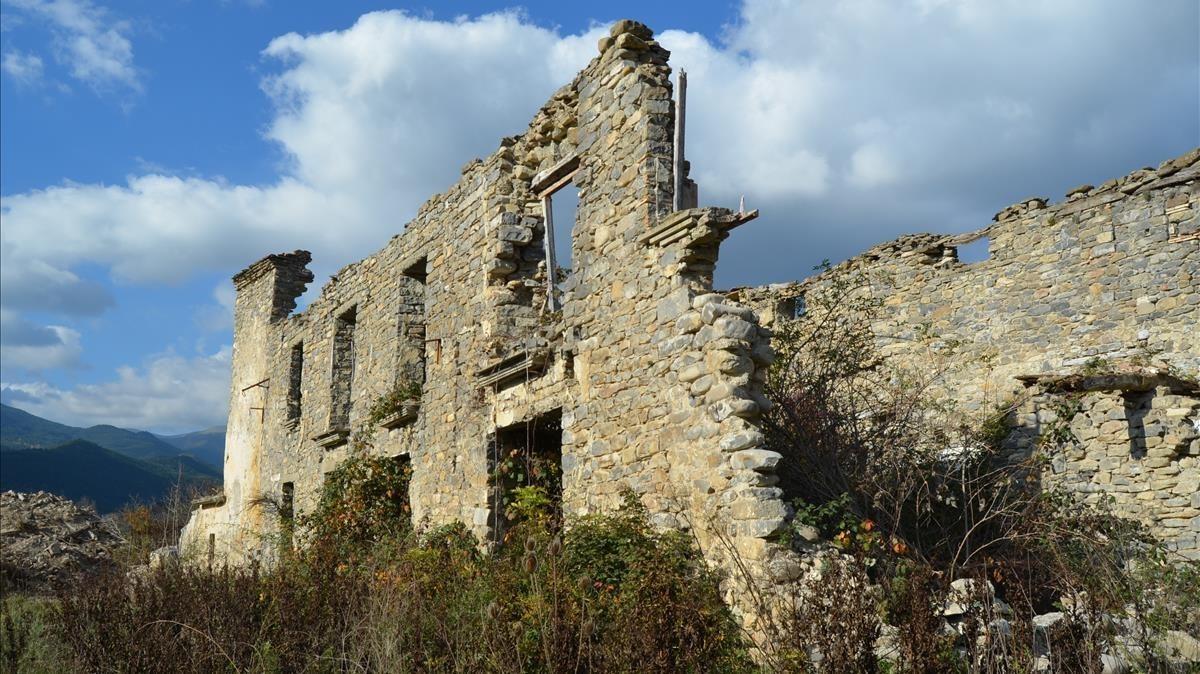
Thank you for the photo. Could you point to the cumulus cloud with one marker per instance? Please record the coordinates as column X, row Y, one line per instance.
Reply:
column 170, row 393
column 373, row 119
column 31, row 283
column 846, row 122
column 882, row 117
column 932, row 109
column 31, row 347
column 93, row 45
column 22, row 67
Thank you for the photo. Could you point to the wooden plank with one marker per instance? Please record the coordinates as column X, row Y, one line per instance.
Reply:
column 680, row 118
column 554, row 174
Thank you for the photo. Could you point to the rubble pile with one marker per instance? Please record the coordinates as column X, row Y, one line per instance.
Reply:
column 46, row 540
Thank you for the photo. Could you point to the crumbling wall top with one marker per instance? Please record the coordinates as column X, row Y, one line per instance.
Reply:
column 295, row 261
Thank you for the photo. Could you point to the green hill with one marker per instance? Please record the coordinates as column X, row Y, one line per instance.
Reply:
column 207, row 445
column 81, row 469
column 19, row 428
column 192, row 468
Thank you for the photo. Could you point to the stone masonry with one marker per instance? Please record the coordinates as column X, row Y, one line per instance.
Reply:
column 654, row 379
column 1101, row 282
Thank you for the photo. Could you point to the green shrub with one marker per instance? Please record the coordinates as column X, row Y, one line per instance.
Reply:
column 30, row 636
column 612, row 595
column 389, row 403
column 363, row 502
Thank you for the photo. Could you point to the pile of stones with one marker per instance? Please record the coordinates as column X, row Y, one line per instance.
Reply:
column 46, row 540
column 1174, row 650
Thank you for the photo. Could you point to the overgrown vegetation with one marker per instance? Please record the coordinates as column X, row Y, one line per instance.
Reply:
column 364, row 503
column 611, row 594
column 916, row 493
column 405, row 392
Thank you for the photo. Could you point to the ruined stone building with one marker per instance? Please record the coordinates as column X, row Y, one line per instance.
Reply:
column 1087, row 308
column 622, row 363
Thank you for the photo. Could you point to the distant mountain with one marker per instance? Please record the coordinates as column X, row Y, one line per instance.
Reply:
column 190, row 467
column 207, row 445
column 81, row 469
column 110, row 465
column 19, row 428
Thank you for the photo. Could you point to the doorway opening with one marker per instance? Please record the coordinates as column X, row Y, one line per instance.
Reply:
column 526, row 474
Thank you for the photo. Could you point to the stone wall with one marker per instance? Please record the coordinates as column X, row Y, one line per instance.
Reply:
column 655, row 379
column 1108, row 276
column 1129, row 440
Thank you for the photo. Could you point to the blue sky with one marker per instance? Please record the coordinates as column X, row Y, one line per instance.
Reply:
column 149, row 150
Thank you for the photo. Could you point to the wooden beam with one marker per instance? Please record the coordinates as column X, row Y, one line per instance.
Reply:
column 551, row 262
column 544, row 182
column 680, row 113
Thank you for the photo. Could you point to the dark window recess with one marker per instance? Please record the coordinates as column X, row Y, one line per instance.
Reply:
column 287, row 516
column 1137, row 406
column 404, row 463
column 527, row 454
column 411, row 351
column 792, row 307
column 343, row 369
column 568, row 364
column 212, row 549
column 295, row 383
column 799, row 306
column 975, row 251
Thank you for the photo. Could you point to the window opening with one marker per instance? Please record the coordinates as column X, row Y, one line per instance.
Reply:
column 404, row 487
column 978, row 250
column 526, row 474
column 212, row 549
column 413, row 317
column 799, row 306
column 1137, row 406
column 287, row 517
column 564, row 204
column 295, row 383
column 560, row 205
column 343, row 368
column 791, row 308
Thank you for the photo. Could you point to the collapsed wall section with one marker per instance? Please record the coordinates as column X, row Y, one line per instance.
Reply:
column 1105, row 279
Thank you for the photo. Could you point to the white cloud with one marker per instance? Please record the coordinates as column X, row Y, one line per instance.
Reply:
column 24, row 68
column 170, row 393
column 374, row 119
column 871, row 166
column 93, row 45
column 30, row 347
column 31, row 283
column 849, row 123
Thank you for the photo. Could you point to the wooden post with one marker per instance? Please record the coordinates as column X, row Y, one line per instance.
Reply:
column 680, row 108
column 551, row 263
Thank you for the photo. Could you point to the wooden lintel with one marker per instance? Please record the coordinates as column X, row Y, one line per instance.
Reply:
column 1134, row 380
column 558, row 184
column 553, row 175
column 511, row 367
